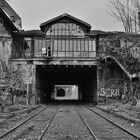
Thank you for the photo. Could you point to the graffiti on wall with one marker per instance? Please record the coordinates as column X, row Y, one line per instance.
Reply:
column 109, row 92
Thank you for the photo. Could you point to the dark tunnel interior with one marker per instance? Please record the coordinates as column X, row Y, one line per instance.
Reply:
column 48, row 76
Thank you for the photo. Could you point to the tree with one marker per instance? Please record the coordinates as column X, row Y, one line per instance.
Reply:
column 136, row 4
column 126, row 12
column 15, row 79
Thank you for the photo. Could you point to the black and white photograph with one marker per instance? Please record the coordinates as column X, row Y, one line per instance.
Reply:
column 69, row 69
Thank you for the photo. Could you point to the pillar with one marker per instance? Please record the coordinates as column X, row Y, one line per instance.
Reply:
column 94, row 86
column 34, row 92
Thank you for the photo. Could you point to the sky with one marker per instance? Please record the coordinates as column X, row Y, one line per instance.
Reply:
column 94, row 12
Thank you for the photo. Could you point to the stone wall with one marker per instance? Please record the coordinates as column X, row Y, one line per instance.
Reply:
column 5, row 55
column 13, row 75
column 112, row 82
column 25, row 75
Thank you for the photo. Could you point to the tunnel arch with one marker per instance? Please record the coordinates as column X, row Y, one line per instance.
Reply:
column 60, row 92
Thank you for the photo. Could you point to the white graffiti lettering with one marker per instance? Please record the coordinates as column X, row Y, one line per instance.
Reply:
column 108, row 92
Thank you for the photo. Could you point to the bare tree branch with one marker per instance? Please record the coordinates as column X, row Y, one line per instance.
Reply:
column 125, row 11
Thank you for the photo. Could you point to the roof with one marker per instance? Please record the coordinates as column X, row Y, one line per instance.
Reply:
column 42, row 25
column 104, row 33
column 31, row 33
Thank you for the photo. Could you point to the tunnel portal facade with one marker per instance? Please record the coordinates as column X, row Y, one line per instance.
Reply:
column 63, row 56
column 66, row 60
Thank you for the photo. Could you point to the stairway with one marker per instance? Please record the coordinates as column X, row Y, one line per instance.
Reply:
column 121, row 56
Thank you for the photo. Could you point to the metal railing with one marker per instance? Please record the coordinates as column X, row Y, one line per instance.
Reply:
column 122, row 55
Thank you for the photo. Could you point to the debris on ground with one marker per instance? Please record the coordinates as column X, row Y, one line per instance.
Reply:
column 127, row 110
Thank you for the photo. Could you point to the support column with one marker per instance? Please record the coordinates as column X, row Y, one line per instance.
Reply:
column 94, row 86
column 34, row 92
column 80, row 92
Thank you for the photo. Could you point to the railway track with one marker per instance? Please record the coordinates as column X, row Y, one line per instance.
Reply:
column 10, row 132
column 68, row 122
column 113, row 123
column 86, row 124
column 47, row 126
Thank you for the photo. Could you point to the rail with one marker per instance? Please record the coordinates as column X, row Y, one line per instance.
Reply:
column 47, row 126
column 114, row 123
column 88, row 127
column 20, row 124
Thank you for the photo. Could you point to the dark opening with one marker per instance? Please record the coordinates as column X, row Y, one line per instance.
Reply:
column 48, row 76
column 60, row 92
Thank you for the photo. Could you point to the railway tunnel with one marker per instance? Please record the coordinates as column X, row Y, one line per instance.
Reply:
column 52, row 82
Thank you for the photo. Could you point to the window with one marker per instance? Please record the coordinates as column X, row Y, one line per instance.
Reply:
column 27, row 46
column 65, row 29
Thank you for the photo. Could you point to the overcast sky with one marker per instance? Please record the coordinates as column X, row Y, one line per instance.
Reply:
column 94, row 12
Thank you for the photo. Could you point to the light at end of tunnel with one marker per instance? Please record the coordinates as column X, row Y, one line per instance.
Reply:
column 73, row 88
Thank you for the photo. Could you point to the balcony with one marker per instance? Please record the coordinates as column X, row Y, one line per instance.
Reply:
column 54, row 47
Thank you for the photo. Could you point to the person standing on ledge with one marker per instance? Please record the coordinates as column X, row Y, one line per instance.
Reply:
column 49, row 51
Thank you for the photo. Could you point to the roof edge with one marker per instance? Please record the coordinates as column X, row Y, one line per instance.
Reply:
column 65, row 15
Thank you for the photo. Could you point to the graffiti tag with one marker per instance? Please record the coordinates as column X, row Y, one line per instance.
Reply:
column 108, row 92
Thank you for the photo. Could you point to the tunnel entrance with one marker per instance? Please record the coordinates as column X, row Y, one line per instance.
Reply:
column 60, row 93
column 61, row 82
column 65, row 92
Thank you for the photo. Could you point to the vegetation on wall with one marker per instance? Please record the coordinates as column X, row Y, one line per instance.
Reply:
column 121, row 47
